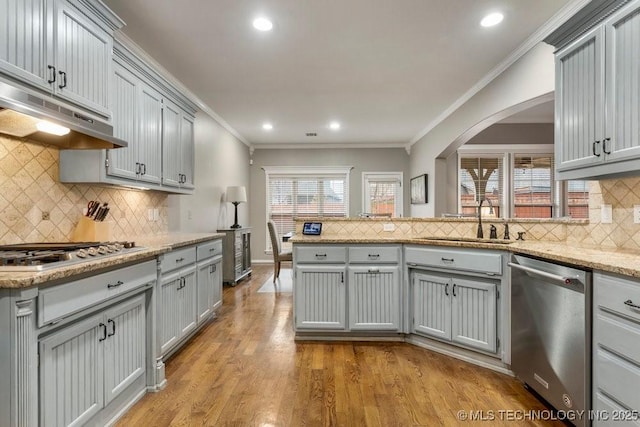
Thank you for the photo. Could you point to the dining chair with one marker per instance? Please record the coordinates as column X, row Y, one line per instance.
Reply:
column 278, row 254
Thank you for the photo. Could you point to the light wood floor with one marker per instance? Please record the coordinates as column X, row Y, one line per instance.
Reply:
column 244, row 369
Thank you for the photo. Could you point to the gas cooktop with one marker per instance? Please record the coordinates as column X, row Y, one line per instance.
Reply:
column 45, row 256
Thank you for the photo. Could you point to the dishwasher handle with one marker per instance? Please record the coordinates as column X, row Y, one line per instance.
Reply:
column 556, row 278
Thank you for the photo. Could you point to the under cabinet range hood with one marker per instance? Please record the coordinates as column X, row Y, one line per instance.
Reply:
column 22, row 115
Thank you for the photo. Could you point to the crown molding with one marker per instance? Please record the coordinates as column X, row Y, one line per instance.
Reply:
column 318, row 145
column 541, row 33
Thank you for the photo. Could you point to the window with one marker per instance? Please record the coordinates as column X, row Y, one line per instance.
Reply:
column 382, row 194
column 305, row 192
column 481, row 177
column 526, row 188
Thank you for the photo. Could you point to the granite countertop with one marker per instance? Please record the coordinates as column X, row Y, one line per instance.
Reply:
column 612, row 260
column 150, row 248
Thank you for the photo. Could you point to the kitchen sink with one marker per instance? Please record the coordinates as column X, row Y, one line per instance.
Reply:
column 468, row 239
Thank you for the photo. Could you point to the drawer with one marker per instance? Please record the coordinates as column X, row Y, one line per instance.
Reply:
column 611, row 293
column 374, row 254
column 59, row 301
column 209, row 249
column 617, row 378
column 178, row 258
column 617, row 334
column 478, row 261
column 320, row 254
column 609, row 413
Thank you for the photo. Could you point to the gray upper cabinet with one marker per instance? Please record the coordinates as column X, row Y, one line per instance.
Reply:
column 598, row 101
column 149, row 164
column 60, row 47
column 177, row 147
column 126, row 91
column 187, row 151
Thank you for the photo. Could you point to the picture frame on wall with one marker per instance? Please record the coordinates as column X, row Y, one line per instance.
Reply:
column 419, row 189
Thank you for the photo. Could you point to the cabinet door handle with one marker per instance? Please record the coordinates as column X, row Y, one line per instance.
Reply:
column 604, row 146
column 104, row 332
column 446, row 289
column 118, row 283
column 52, row 76
column 113, row 325
column 631, row 304
column 593, row 148
column 341, row 277
column 448, row 259
column 454, row 290
column 63, row 83
column 144, row 168
column 137, row 168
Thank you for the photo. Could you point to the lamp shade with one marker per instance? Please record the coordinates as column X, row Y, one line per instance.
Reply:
column 236, row 194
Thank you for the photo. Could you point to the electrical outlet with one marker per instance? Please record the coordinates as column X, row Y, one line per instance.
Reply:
column 150, row 214
column 189, row 216
column 636, row 214
column 389, row 226
column 606, row 214
column 156, row 214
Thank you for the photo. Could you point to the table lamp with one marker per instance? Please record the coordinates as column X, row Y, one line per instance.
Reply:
column 236, row 195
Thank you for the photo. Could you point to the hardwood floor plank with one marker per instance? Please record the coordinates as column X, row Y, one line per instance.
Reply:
column 245, row 369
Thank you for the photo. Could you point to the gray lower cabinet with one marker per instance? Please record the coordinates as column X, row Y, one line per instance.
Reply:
column 374, row 298
column 86, row 366
column 460, row 310
column 616, row 349
column 320, row 296
column 177, row 301
column 237, row 250
column 209, row 275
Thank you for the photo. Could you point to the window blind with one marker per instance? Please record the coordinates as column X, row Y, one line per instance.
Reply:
column 533, row 186
column 290, row 196
column 481, row 178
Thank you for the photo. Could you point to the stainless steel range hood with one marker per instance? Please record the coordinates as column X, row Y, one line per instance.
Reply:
column 20, row 112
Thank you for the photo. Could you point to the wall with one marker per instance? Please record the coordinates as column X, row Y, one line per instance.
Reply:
column 30, row 186
column 362, row 160
column 531, row 77
column 221, row 160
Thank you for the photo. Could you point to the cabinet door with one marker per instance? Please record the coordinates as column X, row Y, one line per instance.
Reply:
column 374, row 300
column 623, row 83
column 122, row 161
column 217, row 284
column 168, row 323
column 320, row 297
column 187, row 297
column 171, row 149
column 23, row 30
column 83, row 59
column 432, row 305
column 125, row 346
column 579, row 105
column 474, row 313
column 205, row 278
column 150, row 135
column 71, row 373
column 187, row 151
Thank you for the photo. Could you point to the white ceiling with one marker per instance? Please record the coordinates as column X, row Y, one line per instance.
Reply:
column 385, row 69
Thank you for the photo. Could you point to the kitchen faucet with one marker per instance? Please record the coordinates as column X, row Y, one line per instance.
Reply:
column 480, row 234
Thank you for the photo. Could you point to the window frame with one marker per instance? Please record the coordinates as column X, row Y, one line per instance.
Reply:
column 302, row 171
column 388, row 176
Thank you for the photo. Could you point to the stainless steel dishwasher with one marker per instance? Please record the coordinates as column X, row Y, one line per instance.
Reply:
column 551, row 332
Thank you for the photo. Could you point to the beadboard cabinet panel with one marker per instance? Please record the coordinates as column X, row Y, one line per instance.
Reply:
column 431, row 305
column 374, row 298
column 320, row 297
column 473, row 314
column 126, row 90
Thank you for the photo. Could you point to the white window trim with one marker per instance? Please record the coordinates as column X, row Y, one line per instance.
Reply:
column 272, row 171
column 398, row 176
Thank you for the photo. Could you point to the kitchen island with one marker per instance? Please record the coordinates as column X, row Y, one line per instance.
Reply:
column 86, row 341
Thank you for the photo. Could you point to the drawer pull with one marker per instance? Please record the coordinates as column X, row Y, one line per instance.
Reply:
column 374, row 271
column 447, row 259
column 446, row 289
column 179, row 259
column 212, row 249
column 454, row 290
column 374, row 255
column 104, row 332
column 113, row 331
column 631, row 304
column 118, row 283
column 321, row 255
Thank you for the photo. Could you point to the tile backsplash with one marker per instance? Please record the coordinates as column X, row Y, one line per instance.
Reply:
column 31, row 188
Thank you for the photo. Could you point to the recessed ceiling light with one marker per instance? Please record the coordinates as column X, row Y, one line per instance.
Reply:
column 262, row 24
column 334, row 125
column 492, row 19
column 267, row 126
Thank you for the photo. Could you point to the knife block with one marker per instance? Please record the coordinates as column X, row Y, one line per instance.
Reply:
column 89, row 230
